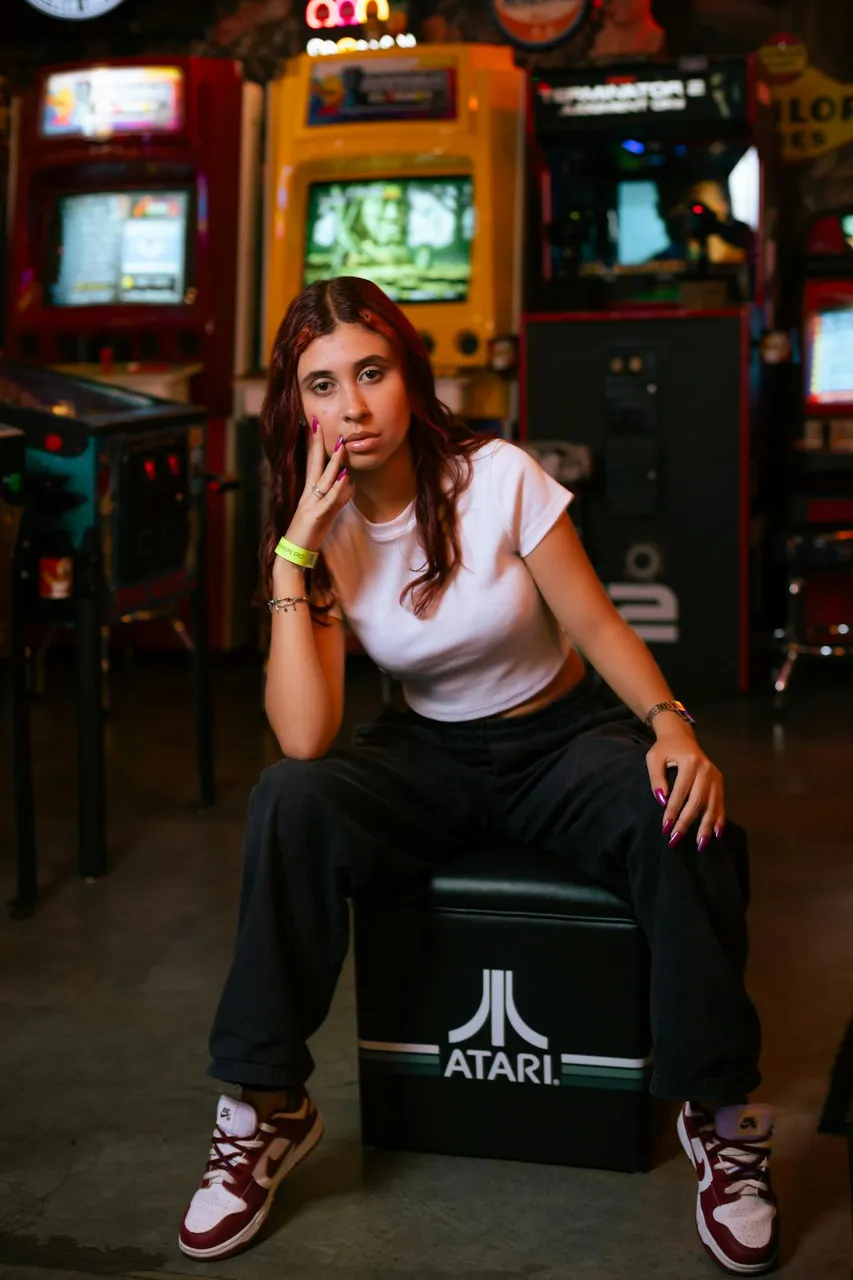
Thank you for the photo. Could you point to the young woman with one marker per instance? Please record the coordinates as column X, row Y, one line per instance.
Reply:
column 456, row 565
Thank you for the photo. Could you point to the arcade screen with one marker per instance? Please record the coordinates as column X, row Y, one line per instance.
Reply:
column 634, row 208
column 119, row 247
column 411, row 236
column 830, row 357
column 831, row 236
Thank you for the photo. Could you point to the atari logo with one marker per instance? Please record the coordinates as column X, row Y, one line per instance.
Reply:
column 497, row 1007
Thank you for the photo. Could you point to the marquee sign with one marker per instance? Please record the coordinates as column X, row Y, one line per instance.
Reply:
column 715, row 94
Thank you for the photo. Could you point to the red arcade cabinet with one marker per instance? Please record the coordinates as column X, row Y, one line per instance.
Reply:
column 819, row 489
column 133, row 254
column 827, row 335
column 648, row 284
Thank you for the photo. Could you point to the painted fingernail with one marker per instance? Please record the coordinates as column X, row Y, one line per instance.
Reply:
column 338, row 445
column 674, row 838
column 701, row 843
column 660, row 796
column 314, row 425
column 667, row 826
column 718, row 831
column 342, row 473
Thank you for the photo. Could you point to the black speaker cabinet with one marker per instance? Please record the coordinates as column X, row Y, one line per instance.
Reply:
column 663, row 402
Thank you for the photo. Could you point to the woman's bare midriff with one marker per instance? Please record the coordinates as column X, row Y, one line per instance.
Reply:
column 569, row 675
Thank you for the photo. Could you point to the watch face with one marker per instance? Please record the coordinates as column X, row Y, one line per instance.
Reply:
column 75, row 10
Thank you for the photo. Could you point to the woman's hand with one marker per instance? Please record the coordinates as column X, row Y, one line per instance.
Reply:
column 697, row 793
column 328, row 488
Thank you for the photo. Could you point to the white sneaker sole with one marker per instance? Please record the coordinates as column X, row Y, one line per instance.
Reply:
column 734, row 1268
column 294, row 1157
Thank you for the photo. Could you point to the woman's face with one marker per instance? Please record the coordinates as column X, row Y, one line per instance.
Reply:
column 351, row 382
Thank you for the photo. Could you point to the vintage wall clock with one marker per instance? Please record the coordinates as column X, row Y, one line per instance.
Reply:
column 75, row 10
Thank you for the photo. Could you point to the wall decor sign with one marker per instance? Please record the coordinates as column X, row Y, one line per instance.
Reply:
column 539, row 24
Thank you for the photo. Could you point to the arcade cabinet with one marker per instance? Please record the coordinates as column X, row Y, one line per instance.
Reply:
column 818, row 522
column 648, row 280
column 827, row 338
column 13, row 680
column 113, row 525
column 133, row 255
column 405, row 167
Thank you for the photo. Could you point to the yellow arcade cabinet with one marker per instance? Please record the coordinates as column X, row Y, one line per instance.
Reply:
column 405, row 166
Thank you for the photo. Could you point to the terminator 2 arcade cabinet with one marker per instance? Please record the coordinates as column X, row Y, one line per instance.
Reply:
column 649, row 276
column 133, row 253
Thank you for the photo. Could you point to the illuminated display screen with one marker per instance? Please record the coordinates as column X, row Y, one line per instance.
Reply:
column 411, row 236
column 831, row 357
column 121, row 247
column 100, row 102
column 643, row 207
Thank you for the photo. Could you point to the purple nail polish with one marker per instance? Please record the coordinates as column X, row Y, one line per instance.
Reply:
column 701, row 843
column 342, row 473
column 667, row 826
column 718, row 831
column 660, row 796
column 674, row 838
column 314, row 425
column 338, row 445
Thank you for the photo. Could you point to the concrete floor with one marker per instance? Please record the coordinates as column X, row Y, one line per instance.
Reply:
column 107, row 992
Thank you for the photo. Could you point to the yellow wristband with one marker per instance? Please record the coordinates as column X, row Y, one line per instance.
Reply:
column 296, row 555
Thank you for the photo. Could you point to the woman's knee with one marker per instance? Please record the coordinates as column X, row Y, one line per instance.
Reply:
column 289, row 772
column 282, row 804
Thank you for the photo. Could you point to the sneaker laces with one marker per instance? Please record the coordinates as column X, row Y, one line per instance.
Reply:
column 745, row 1165
column 226, row 1153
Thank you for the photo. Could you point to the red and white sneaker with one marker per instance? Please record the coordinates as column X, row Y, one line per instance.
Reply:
column 247, row 1161
column 735, row 1209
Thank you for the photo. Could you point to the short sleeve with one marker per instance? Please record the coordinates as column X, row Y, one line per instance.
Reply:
column 531, row 500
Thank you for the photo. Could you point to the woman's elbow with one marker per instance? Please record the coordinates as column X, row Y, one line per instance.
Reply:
column 301, row 745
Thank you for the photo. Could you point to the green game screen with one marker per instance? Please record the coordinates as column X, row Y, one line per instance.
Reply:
column 411, row 236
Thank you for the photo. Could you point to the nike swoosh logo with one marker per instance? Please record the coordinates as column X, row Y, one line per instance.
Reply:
column 270, row 1161
column 702, row 1163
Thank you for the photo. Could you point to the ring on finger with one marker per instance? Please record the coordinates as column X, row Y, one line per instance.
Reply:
column 321, row 493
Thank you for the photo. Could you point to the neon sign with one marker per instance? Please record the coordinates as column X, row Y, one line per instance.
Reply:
column 321, row 14
column 317, row 47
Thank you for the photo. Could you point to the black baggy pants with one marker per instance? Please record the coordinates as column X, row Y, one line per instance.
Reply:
column 410, row 794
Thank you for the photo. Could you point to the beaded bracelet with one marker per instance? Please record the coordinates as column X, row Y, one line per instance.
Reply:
column 284, row 603
column 296, row 555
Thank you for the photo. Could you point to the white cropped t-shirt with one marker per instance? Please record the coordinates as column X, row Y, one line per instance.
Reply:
column 490, row 641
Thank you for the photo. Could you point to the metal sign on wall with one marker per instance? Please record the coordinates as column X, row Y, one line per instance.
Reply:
column 539, row 24
column 814, row 113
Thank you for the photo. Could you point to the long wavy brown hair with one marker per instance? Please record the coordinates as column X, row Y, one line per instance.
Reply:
column 441, row 445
